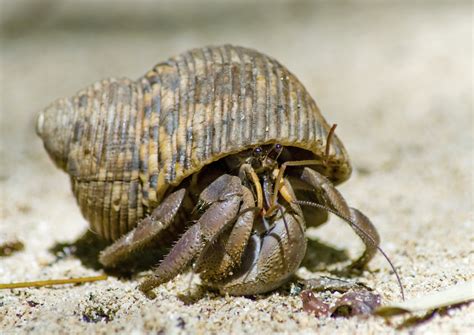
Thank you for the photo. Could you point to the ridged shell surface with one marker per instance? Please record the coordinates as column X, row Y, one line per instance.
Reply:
column 131, row 140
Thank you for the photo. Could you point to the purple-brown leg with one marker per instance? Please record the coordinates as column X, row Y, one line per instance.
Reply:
column 332, row 199
column 221, row 202
column 145, row 232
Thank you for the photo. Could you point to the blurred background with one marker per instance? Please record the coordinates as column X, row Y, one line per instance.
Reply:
column 396, row 76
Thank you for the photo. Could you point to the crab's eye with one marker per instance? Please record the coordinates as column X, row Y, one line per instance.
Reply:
column 257, row 151
column 278, row 147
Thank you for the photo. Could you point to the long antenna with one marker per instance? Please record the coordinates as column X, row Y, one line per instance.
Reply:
column 354, row 225
column 328, row 141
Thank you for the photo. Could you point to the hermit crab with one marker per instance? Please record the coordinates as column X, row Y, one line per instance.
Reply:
column 221, row 151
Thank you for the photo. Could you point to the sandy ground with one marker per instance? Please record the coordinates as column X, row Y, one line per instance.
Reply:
column 396, row 78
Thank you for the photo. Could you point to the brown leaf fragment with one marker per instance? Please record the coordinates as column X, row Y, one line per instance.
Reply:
column 356, row 303
column 314, row 305
column 453, row 295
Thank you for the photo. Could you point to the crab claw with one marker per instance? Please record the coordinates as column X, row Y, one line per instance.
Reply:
column 268, row 260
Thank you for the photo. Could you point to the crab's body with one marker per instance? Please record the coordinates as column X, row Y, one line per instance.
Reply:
column 130, row 145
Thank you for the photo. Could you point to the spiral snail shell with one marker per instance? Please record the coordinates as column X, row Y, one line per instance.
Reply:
column 125, row 143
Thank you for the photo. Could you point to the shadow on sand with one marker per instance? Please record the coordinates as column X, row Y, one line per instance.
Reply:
column 88, row 247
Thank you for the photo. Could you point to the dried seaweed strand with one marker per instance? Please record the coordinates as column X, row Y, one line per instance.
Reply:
column 41, row 283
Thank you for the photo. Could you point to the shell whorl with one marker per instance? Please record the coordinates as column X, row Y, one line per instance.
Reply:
column 130, row 140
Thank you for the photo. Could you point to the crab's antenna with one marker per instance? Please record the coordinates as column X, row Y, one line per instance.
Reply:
column 354, row 225
column 328, row 140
